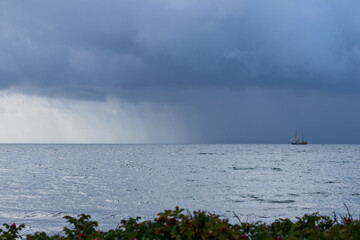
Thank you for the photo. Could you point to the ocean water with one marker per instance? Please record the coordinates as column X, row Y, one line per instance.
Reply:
column 39, row 184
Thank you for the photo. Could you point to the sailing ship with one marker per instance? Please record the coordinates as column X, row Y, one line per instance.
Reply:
column 295, row 140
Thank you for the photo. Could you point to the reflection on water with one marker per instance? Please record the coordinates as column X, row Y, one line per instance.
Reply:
column 41, row 183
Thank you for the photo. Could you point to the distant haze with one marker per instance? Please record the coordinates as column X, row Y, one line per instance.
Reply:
column 181, row 71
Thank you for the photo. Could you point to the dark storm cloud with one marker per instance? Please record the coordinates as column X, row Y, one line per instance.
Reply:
column 143, row 49
column 235, row 71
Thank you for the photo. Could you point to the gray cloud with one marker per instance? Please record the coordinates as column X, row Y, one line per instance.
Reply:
column 92, row 49
column 233, row 71
column 272, row 116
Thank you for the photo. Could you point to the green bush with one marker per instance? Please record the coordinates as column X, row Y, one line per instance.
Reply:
column 174, row 224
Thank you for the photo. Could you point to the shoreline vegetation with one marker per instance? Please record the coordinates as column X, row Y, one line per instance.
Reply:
column 175, row 224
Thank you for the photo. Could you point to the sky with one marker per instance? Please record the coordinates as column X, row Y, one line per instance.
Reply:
column 179, row 71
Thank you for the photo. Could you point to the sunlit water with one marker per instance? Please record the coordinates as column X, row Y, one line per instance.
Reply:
column 39, row 184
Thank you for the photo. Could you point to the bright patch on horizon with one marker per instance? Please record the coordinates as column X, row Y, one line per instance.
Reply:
column 33, row 119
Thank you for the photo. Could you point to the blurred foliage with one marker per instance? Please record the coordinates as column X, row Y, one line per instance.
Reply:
column 174, row 224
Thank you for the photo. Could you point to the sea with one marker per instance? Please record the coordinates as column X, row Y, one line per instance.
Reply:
column 41, row 183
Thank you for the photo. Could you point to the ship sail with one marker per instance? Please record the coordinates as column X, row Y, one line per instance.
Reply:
column 295, row 140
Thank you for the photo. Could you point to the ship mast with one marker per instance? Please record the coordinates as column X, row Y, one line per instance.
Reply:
column 302, row 136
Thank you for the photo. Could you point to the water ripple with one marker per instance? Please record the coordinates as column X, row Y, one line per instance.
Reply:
column 41, row 183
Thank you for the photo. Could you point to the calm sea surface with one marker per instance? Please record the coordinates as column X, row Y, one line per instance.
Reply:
column 39, row 184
